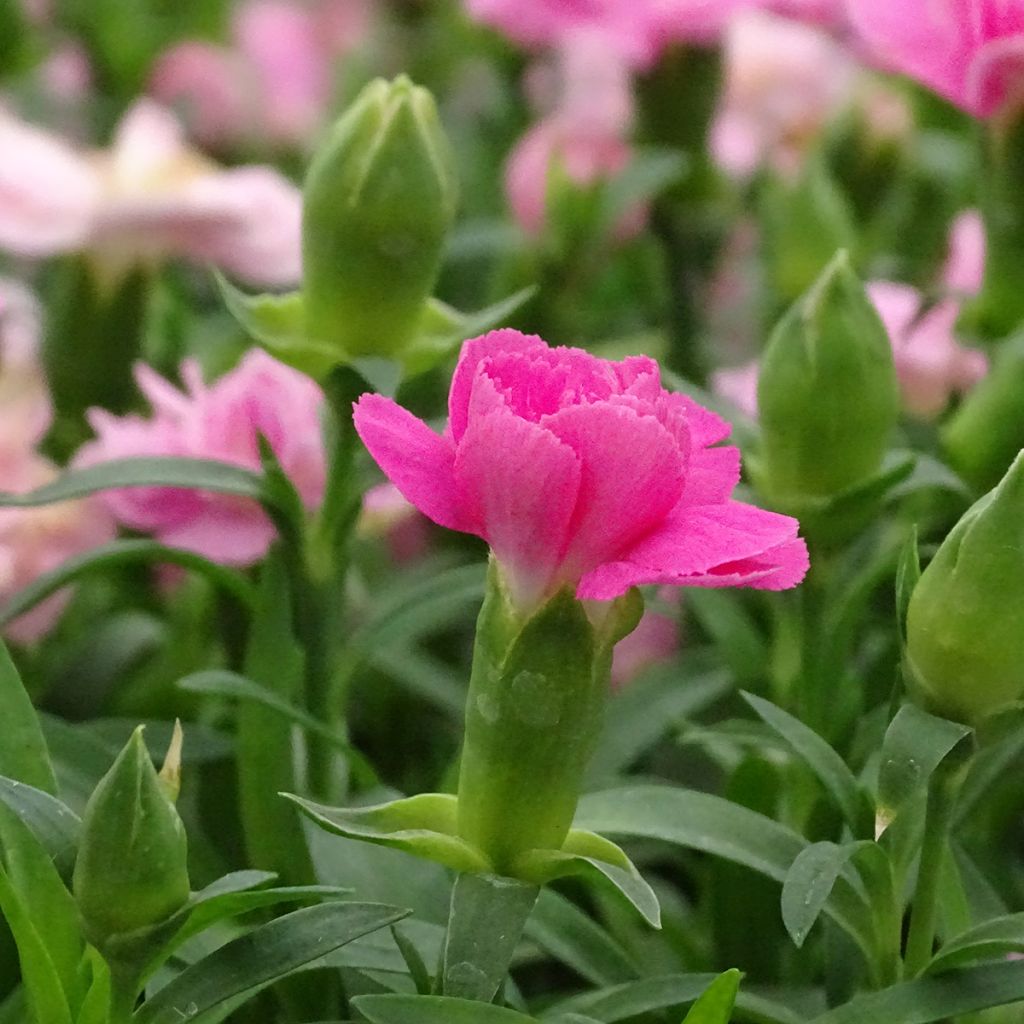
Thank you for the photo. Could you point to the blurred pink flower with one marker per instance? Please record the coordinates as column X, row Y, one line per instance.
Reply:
column 738, row 384
column 220, row 421
column 147, row 198
column 969, row 51
column 276, row 81
column 584, row 138
column 965, row 263
column 637, row 30
column 784, row 80
column 583, row 472
column 387, row 514
column 25, row 407
column 930, row 363
column 34, row 541
column 654, row 641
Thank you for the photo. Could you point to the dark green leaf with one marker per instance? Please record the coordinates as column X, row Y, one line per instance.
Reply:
column 915, row 745
column 396, row 1009
column 23, row 753
column 809, row 884
column 122, row 552
column 54, row 825
column 485, row 923
column 827, row 765
column 908, row 572
column 250, row 963
column 989, row 941
column 929, row 999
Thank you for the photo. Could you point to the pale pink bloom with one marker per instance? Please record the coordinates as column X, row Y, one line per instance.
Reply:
column 784, row 81
column 831, row 13
column 386, row 514
column 25, row 407
column 220, row 421
column 67, row 74
column 654, row 642
column 275, row 81
column 145, row 199
column 582, row 472
column 930, row 363
column 584, row 139
column 637, row 30
column 34, row 541
column 965, row 263
column 738, row 384
column 969, row 51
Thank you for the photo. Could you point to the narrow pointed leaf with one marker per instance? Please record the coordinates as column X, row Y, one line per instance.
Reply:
column 397, row 1009
column 23, row 753
column 716, row 1002
column 249, row 964
column 55, row 826
column 993, row 940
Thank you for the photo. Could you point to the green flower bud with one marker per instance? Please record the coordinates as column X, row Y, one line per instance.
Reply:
column 536, row 703
column 965, row 622
column 827, row 396
column 132, row 869
column 986, row 432
column 379, row 200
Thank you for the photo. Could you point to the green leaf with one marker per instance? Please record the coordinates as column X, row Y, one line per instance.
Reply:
column 740, row 641
column 43, row 989
column 397, row 1009
column 55, row 826
column 827, row 765
column 23, row 753
column 423, row 825
column 908, row 572
column 222, row 683
column 649, row 995
column 930, row 999
column 560, row 928
column 252, row 962
column 641, row 713
column 809, row 884
column 700, row 821
column 587, row 853
column 915, row 744
column 717, row 1001
column 650, row 171
column 992, row 940
column 122, row 552
column 162, row 471
column 485, row 923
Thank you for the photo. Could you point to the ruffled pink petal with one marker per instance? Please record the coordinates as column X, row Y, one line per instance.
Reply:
column 632, row 476
column 711, row 476
column 521, row 485
column 473, row 353
column 731, row 544
column 995, row 75
column 415, row 459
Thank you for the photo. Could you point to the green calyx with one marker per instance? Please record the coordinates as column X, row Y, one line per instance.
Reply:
column 535, row 708
column 828, row 398
column 132, row 871
column 379, row 200
column 965, row 625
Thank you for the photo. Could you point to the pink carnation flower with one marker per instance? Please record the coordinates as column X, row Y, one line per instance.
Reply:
column 583, row 472
column 221, row 421
column 26, row 411
column 965, row 263
column 147, row 198
column 930, row 363
column 584, row 138
column 969, row 51
column 638, row 30
column 783, row 82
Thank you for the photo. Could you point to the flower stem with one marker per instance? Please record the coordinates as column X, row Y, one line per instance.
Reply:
column 942, row 793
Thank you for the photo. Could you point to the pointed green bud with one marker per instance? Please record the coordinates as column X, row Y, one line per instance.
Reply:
column 965, row 625
column 827, row 395
column 132, row 869
column 986, row 432
column 379, row 200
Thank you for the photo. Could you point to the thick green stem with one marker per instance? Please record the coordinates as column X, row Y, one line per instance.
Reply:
column 942, row 794
column 124, row 994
